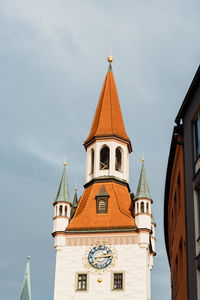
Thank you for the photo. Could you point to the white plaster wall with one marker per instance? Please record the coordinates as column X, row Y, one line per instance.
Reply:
column 143, row 221
column 60, row 224
column 112, row 144
column 132, row 260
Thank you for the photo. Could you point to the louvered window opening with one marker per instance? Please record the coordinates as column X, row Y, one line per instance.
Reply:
column 102, row 206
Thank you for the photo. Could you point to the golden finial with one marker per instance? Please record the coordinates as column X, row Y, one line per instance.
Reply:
column 64, row 164
column 142, row 156
column 75, row 187
column 110, row 58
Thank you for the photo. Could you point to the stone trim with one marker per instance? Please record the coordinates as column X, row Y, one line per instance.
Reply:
column 62, row 202
column 113, row 239
column 60, row 217
column 104, row 179
column 146, row 214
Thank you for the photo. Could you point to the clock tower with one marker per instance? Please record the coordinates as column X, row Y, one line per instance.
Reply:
column 106, row 249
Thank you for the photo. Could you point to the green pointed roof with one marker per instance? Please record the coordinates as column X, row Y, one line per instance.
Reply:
column 74, row 204
column 143, row 189
column 26, row 286
column 63, row 191
column 75, row 201
column 102, row 192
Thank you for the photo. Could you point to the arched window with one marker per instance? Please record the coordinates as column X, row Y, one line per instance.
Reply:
column 56, row 211
column 142, row 207
column 147, row 207
column 60, row 210
column 118, row 159
column 92, row 161
column 137, row 208
column 66, row 211
column 104, row 158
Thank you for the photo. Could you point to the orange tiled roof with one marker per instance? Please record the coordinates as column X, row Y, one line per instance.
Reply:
column 119, row 209
column 108, row 120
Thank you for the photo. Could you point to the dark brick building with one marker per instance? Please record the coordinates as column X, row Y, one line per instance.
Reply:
column 182, row 198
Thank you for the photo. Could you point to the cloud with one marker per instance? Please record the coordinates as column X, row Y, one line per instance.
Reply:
column 53, row 63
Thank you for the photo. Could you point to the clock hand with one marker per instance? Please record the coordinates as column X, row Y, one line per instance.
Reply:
column 104, row 255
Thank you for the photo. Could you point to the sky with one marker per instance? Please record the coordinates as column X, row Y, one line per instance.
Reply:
column 53, row 64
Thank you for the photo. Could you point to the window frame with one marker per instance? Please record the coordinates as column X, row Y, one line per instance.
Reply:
column 119, row 164
column 98, row 200
column 113, row 281
column 198, row 212
column 196, row 137
column 102, row 164
column 77, row 282
column 92, row 161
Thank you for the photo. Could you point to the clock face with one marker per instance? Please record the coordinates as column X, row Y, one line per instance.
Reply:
column 99, row 258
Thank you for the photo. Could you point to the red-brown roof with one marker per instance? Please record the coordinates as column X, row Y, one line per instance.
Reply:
column 108, row 120
column 119, row 213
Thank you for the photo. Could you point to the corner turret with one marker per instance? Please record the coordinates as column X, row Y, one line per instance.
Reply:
column 143, row 212
column 62, row 205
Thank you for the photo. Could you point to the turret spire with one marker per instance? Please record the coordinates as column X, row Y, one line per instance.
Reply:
column 108, row 120
column 143, row 188
column 75, row 204
column 63, row 191
column 26, row 286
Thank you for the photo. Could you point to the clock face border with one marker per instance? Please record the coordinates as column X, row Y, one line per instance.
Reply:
column 100, row 271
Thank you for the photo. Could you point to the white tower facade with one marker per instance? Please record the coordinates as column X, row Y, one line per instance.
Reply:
column 106, row 251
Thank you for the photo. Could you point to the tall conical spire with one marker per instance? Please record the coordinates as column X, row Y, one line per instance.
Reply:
column 63, row 191
column 143, row 188
column 108, row 120
column 74, row 204
column 26, row 286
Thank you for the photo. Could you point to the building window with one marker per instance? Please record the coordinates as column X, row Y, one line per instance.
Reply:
column 118, row 159
column 147, row 207
column 102, row 205
column 197, row 136
column 60, row 210
column 104, row 158
column 92, row 161
column 142, row 207
column 137, row 208
column 117, row 281
column 65, row 210
column 198, row 211
column 81, row 282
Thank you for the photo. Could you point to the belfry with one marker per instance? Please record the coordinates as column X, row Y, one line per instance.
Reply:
column 105, row 242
